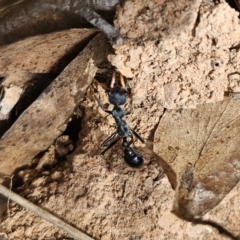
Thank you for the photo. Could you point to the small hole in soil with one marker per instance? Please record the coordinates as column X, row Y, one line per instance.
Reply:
column 1, row 79
column 66, row 143
column 73, row 128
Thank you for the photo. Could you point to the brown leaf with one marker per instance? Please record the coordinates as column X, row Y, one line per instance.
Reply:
column 200, row 152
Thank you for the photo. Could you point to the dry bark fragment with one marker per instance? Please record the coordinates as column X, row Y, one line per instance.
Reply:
column 56, row 49
column 47, row 117
column 34, row 62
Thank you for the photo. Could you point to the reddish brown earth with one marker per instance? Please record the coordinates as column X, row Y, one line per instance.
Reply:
column 189, row 64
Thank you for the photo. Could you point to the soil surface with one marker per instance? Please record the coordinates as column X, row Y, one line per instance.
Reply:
column 103, row 196
column 185, row 52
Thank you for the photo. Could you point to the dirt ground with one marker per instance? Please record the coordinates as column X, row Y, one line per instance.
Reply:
column 102, row 196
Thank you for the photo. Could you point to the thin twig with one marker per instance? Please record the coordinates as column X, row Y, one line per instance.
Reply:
column 10, row 189
column 73, row 232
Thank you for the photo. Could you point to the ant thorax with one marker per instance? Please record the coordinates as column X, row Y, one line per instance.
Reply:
column 122, row 127
column 123, row 130
column 118, row 113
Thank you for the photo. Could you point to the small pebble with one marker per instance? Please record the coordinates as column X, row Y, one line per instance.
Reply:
column 56, row 175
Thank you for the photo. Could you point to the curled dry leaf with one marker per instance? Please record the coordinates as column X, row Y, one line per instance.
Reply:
column 200, row 152
column 41, row 123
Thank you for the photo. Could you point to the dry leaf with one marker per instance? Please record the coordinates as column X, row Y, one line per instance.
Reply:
column 200, row 152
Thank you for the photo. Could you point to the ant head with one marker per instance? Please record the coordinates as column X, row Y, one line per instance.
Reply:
column 132, row 158
column 117, row 95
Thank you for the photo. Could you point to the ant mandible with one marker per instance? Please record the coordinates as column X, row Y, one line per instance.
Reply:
column 117, row 96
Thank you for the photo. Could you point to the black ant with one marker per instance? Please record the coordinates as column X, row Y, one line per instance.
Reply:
column 117, row 95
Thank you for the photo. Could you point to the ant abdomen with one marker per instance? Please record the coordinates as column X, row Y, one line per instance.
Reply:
column 132, row 158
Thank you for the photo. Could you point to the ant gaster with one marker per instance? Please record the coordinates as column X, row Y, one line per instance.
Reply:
column 117, row 96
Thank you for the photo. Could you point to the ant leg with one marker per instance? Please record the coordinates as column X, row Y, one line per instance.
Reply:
column 138, row 136
column 99, row 103
column 101, row 106
column 104, row 144
column 109, row 146
column 101, row 84
column 128, row 112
